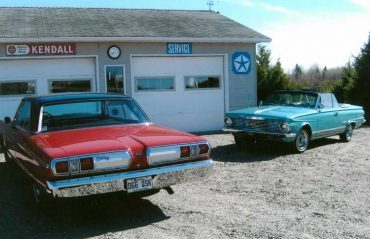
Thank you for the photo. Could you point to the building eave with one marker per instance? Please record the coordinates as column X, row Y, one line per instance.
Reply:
column 11, row 40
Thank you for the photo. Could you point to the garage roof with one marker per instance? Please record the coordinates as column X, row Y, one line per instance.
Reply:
column 106, row 24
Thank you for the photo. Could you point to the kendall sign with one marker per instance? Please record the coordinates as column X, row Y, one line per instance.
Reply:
column 41, row 49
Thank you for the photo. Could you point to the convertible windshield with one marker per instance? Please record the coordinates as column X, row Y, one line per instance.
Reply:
column 299, row 99
column 90, row 113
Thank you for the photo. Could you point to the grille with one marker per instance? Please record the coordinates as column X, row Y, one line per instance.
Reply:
column 263, row 125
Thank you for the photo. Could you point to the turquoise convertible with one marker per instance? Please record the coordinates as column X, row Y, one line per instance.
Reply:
column 294, row 117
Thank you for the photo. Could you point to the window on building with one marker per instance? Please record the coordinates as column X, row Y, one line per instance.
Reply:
column 63, row 86
column 154, row 83
column 202, row 82
column 114, row 79
column 17, row 88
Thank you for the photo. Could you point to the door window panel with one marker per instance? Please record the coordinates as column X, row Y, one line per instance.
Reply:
column 23, row 118
column 114, row 79
column 17, row 88
column 154, row 83
column 63, row 86
column 202, row 82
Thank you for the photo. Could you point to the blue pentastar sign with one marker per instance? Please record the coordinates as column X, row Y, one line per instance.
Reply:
column 179, row 48
column 241, row 63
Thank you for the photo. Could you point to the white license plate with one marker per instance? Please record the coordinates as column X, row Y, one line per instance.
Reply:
column 139, row 184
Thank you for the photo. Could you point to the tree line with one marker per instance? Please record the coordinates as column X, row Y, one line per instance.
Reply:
column 350, row 83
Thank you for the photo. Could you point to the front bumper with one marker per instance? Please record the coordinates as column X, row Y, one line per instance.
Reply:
column 288, row 137
column 164, row 176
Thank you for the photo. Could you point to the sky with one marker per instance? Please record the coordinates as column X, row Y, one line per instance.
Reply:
column 305, row 32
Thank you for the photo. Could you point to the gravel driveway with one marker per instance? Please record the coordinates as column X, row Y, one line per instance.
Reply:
column 267, row 193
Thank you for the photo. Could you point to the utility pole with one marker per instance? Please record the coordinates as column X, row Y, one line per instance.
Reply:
column 210, row 4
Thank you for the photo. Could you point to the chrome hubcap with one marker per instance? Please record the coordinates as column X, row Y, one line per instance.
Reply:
column 302, row 141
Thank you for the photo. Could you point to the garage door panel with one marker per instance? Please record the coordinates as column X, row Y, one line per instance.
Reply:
column 191, row 122
column 42, row 71
column 190, row 110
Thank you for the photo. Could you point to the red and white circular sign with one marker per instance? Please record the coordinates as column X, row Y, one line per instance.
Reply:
column 12, row 49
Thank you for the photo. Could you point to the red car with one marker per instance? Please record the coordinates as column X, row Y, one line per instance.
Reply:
column 83, row 144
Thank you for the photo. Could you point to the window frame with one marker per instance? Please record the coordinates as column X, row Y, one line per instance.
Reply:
column 124, row 77
column 173, row 78
column 20, row 81
column 92, row 85
column 196, row 89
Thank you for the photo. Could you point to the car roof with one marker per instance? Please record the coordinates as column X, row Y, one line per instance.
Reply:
column 46, row 99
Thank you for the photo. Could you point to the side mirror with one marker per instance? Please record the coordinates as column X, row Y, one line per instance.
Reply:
column 7, row 120
column 321, row 106
column 260, row 103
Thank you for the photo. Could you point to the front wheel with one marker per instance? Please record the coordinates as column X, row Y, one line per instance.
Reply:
column 347, row 135
column 301, row 142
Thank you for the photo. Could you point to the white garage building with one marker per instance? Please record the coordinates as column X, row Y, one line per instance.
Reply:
column 185, row 68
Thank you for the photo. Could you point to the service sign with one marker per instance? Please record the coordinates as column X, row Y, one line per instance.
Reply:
column 179, row 48
column 41, row 49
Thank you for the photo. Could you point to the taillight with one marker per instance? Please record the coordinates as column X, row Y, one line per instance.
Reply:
column 61, row 167
column 87, row 163
column 185, row 151
column 203, row 148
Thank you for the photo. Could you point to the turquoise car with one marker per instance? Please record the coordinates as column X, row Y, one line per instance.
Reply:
column 294, row 117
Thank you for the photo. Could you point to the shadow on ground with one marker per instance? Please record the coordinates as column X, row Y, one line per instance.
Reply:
column 76, row 217
column 263, row 151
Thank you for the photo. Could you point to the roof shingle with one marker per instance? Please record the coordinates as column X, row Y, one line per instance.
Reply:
column 120, row 23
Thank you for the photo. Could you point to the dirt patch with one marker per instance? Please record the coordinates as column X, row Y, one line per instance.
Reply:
column 267, row 193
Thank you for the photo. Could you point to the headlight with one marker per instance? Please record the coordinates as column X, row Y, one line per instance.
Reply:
column 228, row 122
column 284, row 127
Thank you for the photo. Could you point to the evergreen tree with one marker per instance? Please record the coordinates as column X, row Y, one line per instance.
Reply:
column 297, row 72
column 361, row 87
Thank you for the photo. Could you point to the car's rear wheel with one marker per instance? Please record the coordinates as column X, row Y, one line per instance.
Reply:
column 347, row 135
column 301, row 142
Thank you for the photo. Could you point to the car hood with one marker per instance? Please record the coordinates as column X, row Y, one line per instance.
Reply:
column 135, row 138
column 273, row 111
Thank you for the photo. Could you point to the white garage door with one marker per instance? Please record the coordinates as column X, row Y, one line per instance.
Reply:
column 186, row 93
column 41, row 77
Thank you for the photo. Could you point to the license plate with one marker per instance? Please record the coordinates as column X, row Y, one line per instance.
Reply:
column 139, row 184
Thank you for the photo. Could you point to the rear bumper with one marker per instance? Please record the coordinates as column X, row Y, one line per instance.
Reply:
column 162, row 177
column 289, row 137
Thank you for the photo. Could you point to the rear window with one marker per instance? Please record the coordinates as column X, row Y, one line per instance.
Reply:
column 91, row 113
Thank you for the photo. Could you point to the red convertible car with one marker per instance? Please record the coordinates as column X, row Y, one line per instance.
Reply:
column 83, row 144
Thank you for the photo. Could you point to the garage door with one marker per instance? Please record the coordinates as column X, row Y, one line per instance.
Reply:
column 186, row 93
column 41, row 77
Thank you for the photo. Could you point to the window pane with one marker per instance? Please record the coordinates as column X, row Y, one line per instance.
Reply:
column 114, row 79
column 202, row 82
column 155, row 83
column 24, row 115
column 91, row 113
column 17, row 88
column 70, row 86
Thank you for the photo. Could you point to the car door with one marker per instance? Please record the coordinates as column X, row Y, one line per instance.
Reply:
column 20, row 132
column 328, row 118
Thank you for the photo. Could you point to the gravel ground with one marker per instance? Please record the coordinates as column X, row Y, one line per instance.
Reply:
column 267, row 193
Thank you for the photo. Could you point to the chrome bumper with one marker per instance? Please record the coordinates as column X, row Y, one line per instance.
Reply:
column 289, row 135
column 162, row 177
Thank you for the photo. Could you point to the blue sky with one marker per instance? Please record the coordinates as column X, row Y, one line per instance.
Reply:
column 306, row 32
